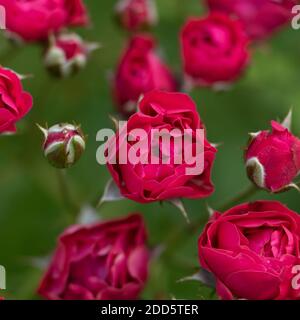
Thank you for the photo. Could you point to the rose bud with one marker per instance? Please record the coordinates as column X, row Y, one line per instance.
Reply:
column 67, row 54
column 273, row 158
column 251, row 250
column 140, row 70
column 157, row 179
column 260, row 18
column 214, row 50
column 135, row 15
column 35, row 20
column 102, row 261
column 64, row 144
column 14, row 102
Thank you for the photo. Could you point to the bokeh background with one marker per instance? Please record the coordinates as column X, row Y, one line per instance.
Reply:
column 32, row 213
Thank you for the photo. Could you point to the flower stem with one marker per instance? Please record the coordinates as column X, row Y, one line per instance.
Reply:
column 174, row 239
column 239, row 198
column 9, row 54
column 66, row 195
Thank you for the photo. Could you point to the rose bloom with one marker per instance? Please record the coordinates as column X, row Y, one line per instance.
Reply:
column 14, row 102
column 148, row 181
column 102, row 261
column 214, row 50
column 251, row 249
column 135, row 15
column 35, row 20
column 140, row 70
column 273, row 158
column 259, row 17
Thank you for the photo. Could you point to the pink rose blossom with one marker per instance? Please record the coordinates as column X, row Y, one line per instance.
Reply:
column 259, row 17
column 102, row 261
column 148, row 182
column 214, row 50
column 34, row 20
column 251, row 250
column 14, row 102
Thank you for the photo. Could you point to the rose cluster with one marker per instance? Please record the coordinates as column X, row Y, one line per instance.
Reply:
column 214, row 48
column 45, row 22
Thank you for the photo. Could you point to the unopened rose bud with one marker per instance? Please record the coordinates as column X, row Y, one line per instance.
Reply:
column 135, row 15
column 139, row 71
column 67, row 54
column 63, row 145
column 273, row 158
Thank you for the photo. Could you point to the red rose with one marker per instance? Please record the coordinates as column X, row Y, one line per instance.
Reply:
column 102, row 261
column 136, row 14
column 273, row 158
column 14, row 102
column 259, row 17
column 214, row 50
column 251, row 249
column 35, row 20
column 140, row 70
column 145, row 181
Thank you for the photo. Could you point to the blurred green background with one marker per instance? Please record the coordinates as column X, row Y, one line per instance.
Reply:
column 32, row 213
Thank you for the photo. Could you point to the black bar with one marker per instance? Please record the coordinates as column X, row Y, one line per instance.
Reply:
column 174, row 309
